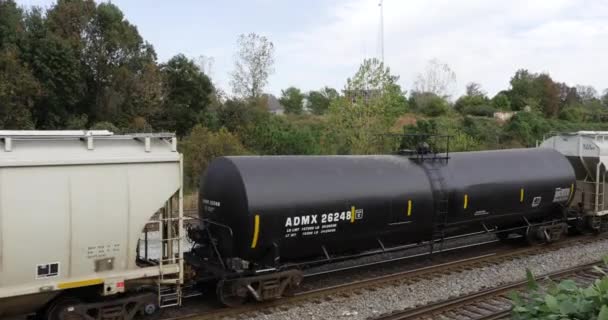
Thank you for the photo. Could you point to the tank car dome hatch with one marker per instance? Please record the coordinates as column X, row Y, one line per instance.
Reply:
column 587, row 152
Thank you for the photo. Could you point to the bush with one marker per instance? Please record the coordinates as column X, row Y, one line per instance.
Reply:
column 572, row 113
column 465, row 102
column 563, row 301
column 479, row 110
column 277, row 135
column 202, row 146
column 528, row 127
column 430, row 104
column 501, row 102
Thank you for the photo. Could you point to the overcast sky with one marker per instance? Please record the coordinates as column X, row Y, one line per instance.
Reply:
column 322, row 42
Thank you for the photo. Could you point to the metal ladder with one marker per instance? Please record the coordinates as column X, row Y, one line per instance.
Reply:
column 170, row 284
column 440, row 203
column 599, row 198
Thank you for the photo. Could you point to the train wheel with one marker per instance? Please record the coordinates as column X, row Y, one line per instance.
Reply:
column 61, row 309
column 531, row 236
column 230, row 293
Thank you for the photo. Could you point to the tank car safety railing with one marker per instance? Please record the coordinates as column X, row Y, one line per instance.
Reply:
column 421, row 147
column 215, row 248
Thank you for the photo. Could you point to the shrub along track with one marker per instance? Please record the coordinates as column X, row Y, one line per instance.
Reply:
column 357, row 287
column 493, row 303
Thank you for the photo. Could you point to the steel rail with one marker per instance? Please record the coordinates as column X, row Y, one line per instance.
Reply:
column 477, row 303
column 409, row 276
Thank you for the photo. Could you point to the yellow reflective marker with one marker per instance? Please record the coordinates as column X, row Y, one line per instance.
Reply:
column 78, row 284
column 521, row 195
column 256, row 231
column 352, row 214
column 409, row 208
column 466, row 201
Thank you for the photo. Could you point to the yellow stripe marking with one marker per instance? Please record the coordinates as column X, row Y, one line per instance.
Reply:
column 521, row 195
column 571, row 192
column 409, row 208
column 256, row 231
column 352, row 214
column 466, row 201
column 77, row 284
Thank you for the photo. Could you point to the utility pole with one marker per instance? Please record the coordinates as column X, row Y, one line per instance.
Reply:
column 381, row 30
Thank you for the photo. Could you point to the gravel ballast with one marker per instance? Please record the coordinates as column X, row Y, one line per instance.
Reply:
column 370, row 304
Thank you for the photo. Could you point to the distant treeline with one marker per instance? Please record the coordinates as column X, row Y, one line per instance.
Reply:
column 80, row 64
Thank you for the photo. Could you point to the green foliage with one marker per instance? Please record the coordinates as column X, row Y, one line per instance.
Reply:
column 356, row 128
column 81, row 63
column 278, row 135
column 292, row 99
column 536, row 91
column 187, row 95
column 253, row 65
column 459, row 140
column 319, row 101
column 573, row 113
column 18, row 89
column 477, row 105
column 202, row 146
column 237, row 115
column 501, row 102
column 11, row 23
column 528, row 127
column 374, row 84
column 564, row 300
column 429, row 104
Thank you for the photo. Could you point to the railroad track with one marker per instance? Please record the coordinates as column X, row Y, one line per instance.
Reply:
column 493, row 303
column 373, row 283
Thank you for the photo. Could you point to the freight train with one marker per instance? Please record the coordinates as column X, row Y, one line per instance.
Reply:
column 262, row 219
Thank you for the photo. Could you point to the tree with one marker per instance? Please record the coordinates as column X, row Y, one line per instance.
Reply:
column 54, row 51
column 429, row 104
column 523, row 90
column 537, row 91
column 549, row 98
column 374, row 84
column 279, row 135
column 292, row 99
column 237, row 115
column 501, row 101
column 371, row 80
column 437, row 78
column 586, row 93
column 186, row 95
column 474, row 102
column 18, row 86
column 122, row 74
column 474, row 89
column 11, row 24
column 605, row 98
column 319, row 101
column 358, row 122
column 253, row 65
column 18, row 89
column 356, row 128
column 202, row 146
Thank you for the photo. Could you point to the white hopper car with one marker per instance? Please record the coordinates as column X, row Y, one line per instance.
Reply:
column 73, row 206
